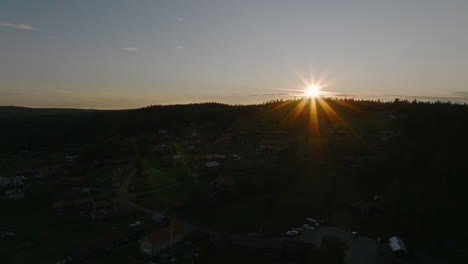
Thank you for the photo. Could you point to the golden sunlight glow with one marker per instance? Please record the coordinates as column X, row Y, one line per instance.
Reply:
column 312, row 91
column 312, row 106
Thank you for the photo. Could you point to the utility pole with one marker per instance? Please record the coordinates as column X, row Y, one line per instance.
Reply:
column 171, row 237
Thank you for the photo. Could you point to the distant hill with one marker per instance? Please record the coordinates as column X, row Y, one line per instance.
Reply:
column 14, row 111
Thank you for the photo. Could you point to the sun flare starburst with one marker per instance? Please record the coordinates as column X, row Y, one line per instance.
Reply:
column 312, row 91
column 314, row 105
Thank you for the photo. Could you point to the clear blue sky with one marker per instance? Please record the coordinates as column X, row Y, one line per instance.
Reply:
column 131, row 53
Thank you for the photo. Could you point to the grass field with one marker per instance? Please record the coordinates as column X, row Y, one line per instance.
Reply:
column 161, row 201
column 154, row 176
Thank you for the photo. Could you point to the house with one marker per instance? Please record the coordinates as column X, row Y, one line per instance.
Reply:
column 78, row 206
column 222, row 183
column 51, row 170
column 201, row 157
column 161, row 239
column 11, row 187
column 225, row 139
column 362, row 207
column 123, row 208
column 159, row 219
column 71, row 159
column 102, row 214
column 212, row 164
column 103, row 210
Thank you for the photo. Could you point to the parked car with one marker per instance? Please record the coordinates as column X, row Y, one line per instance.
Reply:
column 294, row 232
column 314, row 222
column 289, row 234
column 135, row 224
column 308, row 227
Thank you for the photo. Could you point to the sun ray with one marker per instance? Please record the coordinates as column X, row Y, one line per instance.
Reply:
column 333, row 116
column 314, row 129
column 297, row 110
column 350, row 106
column 280, row 105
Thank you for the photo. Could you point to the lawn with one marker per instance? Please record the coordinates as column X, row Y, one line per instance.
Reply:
column 161, row 201
column 156, row 177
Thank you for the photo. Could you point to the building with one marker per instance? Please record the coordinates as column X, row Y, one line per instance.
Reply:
column 161, row 239
column 11, row 187
column 212, row 164
column 397, row 245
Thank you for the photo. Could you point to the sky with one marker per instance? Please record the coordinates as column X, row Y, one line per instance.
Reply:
column 114, row 54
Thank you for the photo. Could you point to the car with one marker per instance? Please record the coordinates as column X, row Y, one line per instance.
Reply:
column 312, row 220
column 355, row 234
column 137, row 223
column 294, row 232
column 308, row 227
column 298, row 229
column 289, row 234
column 255, row 234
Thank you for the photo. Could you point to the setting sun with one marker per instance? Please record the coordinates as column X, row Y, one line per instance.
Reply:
column 312, row 91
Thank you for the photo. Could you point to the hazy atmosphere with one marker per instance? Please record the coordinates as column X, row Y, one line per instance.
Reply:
column 126, row 54
column 233, row 131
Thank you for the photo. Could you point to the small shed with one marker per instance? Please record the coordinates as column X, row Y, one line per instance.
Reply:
column 397, row 244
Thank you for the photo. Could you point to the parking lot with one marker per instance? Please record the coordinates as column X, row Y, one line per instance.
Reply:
column 361, row 249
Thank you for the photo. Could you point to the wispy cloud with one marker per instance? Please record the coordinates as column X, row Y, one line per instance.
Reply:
column 180, row 47
column 263, row 94
column 460, row 94
column 180, row 19
column 131, row 49
column 19, row 26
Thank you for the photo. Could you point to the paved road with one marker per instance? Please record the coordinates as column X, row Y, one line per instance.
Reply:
column 361, row 250
column 126, row 197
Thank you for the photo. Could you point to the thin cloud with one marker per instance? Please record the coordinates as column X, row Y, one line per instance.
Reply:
column 180, row 47
column 180, row 19
column 442, row 98
column 460, row 94
column 263, row 94
column 19, row 26
column 131, row 49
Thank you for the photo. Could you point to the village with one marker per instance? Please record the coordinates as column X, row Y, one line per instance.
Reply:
column 185, row 196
